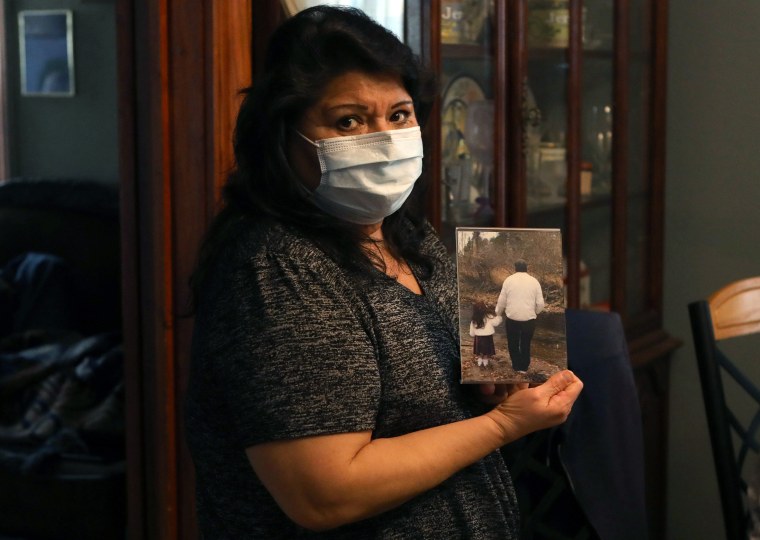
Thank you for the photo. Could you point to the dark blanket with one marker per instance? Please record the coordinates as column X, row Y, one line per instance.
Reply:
column 60, row 391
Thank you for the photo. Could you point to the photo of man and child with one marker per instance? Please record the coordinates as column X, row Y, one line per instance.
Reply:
column 511, row 304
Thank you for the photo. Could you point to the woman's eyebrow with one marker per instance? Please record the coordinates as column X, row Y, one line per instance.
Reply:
column 347, row 106
column 365, row 107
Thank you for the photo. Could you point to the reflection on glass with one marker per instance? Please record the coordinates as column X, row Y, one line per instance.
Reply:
column 389, row 13
column 596, row 257
column 462, row 21
column 545, row 127
column 467, row 114
column 479, row 133
column 457, row 165
column 600, row 143
column 549, row 24
column 598, row 18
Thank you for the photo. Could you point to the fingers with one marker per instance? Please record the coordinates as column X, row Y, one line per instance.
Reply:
column 563, row 381
column 516, row 387
column 561, row 391
column 493, row 393
column 487, row 389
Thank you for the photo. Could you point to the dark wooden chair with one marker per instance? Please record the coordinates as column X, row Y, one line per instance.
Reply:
column 732, row 311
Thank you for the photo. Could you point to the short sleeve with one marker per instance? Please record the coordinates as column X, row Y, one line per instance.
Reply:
column 289, row 349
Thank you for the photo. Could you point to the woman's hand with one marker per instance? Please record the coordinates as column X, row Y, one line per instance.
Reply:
column 523, row 410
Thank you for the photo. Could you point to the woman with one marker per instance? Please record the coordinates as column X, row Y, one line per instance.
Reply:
column 323, row 394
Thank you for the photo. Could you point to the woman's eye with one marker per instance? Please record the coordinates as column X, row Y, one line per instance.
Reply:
column 400, row 116
column 349, row 122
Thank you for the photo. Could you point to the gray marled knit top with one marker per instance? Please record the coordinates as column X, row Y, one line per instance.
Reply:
column 288, row 345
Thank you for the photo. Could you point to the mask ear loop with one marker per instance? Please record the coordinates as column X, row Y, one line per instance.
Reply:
column 300, row 187
column 305, row 138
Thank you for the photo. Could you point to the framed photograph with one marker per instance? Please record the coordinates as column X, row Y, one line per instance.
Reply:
column 46, row 47
column 511, row 304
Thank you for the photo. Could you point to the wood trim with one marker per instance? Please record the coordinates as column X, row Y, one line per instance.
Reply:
column 620, row 111
column 130, row 280
column 187, row 206
column 518, row 75
column 652, row 382
column 154, row 249
column 657, row 153
column 231, row 71
column 652, row 347
column 181, row 65
column 4, row 130
column 573, row 189
column 501, row 115
column 432, row 53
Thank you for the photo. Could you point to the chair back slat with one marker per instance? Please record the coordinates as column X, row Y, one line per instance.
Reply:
column 735, row 309
column 748, row 441
column 747, row 385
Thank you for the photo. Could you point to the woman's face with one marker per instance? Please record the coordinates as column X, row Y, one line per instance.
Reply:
column 353, row 103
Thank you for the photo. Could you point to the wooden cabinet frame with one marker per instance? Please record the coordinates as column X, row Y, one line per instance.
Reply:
column 181, row 65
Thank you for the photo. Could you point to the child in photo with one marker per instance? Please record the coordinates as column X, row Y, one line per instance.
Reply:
column 482, row 328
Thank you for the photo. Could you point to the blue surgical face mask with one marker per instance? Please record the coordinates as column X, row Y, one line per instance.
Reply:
column 366, row 178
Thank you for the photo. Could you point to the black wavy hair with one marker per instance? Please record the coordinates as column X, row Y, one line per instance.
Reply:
column 479, row 314
column 304, row 54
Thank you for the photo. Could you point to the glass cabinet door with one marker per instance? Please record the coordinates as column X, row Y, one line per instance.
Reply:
column 568, row 96
column 548, row 119
column 598, row 116
column 467, row 115
column 570, row 81
column 590, row 175
column 640, row 210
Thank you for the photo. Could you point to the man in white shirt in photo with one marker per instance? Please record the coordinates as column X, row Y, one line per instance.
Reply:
column 521, row 300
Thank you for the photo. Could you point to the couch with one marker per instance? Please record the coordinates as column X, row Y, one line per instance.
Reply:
column 62, row 462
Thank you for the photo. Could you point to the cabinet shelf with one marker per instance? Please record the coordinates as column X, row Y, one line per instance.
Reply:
column 539, row 207
column 464, row 51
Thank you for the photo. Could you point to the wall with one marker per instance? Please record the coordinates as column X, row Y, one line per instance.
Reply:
column 72, row 137
column 712, row 218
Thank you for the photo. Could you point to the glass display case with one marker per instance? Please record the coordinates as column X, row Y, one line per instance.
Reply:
column 552, row 114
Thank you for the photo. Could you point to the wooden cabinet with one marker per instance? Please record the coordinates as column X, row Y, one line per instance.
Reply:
column 552, row 114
